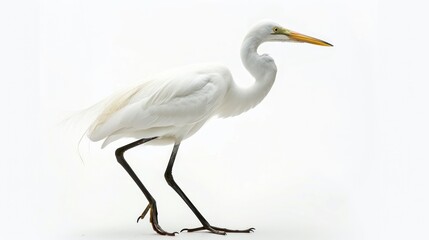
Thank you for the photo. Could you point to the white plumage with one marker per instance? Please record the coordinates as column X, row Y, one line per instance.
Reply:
column 173, row 106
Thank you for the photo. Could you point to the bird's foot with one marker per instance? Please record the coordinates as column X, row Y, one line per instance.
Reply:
column 217, row 230
column 154, row 220
column 159, row 230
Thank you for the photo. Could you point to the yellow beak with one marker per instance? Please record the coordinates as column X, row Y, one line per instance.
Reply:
column 304, row 38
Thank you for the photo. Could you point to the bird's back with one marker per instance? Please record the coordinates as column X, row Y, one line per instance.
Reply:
column 170, row 104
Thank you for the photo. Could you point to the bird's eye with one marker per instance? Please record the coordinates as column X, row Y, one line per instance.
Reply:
column 275, row 29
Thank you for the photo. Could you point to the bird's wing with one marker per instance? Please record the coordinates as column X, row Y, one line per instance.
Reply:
column 179, row 102
column 174, row 100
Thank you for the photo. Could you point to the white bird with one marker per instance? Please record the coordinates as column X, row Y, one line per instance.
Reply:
column 173, row 106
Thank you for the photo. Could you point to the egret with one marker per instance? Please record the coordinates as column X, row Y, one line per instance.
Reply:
column 171, row 107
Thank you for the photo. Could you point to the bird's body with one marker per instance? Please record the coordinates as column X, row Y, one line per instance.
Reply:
column 175, row 104
column 172, row 106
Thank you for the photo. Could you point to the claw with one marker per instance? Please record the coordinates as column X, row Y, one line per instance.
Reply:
column 154, row 220
column 216, row 230
column 160, row 231
column 192, row 229
column 144, row 213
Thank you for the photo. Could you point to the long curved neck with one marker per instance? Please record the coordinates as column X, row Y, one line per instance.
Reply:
column 262, row 68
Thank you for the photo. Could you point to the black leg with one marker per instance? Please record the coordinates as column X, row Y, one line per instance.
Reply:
column 206, row 226
column 152, row 203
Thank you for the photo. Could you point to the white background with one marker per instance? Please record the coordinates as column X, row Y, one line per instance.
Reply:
column 337, row 150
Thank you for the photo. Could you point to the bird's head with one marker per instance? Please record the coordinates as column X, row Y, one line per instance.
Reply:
column 268, row 31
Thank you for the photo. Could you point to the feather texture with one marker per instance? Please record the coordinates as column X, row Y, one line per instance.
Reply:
column 174, row 105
